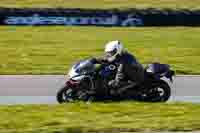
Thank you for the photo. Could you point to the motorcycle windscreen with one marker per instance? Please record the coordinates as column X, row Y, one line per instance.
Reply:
column 83, row 67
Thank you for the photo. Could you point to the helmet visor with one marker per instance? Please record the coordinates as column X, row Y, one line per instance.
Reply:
column 111, row 53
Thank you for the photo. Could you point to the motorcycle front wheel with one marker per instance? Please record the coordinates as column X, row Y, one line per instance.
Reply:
column 64, row 95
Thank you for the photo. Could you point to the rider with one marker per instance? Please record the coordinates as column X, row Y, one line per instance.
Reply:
column 128, row 68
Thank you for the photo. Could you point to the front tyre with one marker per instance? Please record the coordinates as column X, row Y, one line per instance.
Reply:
column 64, row 94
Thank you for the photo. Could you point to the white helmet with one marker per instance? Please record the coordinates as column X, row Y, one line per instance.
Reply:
column 113, row 49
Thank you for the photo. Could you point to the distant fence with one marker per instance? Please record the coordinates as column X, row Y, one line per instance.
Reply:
column 111, row 17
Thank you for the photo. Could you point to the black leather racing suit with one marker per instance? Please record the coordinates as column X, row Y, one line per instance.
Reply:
column 128, row 68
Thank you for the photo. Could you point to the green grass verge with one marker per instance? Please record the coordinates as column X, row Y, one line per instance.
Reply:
column 99, row 117
column 103, row 4
column 52, row 50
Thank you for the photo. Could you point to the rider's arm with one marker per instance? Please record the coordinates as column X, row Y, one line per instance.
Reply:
column 120, row 74
column 99, row 60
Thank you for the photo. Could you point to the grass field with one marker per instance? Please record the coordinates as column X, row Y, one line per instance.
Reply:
column 52, row 50
column 103, row 4
column 99, row 117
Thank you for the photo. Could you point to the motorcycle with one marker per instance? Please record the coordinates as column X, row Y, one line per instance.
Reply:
column 89, row 82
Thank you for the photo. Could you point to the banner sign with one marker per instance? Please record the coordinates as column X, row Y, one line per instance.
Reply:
column 36, row 19
column 110, row 17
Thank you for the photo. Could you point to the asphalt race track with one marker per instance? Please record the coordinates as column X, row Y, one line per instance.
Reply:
column 39, row 89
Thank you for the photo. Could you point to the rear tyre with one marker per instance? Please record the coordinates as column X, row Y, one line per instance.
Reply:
column 160, row 92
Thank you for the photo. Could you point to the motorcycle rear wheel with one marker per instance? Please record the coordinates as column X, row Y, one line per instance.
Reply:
column 160, row 92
